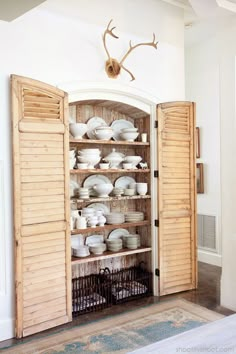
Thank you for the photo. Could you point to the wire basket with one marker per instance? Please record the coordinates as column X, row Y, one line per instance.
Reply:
column 127, row 283
column 89, row 294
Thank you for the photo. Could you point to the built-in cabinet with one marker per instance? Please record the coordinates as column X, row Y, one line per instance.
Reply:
column 42, row 203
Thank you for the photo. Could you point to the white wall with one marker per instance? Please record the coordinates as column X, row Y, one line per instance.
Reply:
column 213, row 63
column 46, row 45
column 203, row 87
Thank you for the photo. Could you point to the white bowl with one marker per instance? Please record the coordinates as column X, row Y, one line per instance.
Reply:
column 82, row 166
column 127, row 165
column 89, row 151
column 129, row 130
column 104, row 166
column 129, row 136
column 91, row 160
column 78, row 129
column 103, row 134
column 103, row 189
column 134, row 160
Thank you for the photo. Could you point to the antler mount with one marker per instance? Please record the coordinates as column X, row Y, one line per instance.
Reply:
column 113, row 66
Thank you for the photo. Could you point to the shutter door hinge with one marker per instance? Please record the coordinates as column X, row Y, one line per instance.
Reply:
column 156, row 173
column 156, row 124
column 156, row 223
column 157, row 272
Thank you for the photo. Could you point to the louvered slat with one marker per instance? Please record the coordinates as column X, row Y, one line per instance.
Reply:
column 41, row 195
column 176, row 187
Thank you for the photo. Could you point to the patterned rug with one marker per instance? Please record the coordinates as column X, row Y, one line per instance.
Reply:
column 122, row 333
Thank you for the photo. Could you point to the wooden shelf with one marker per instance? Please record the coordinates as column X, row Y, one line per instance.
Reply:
column 109, row 199
column 109, row 254
column 102, row 171
column 108, row 142
column 125, row 225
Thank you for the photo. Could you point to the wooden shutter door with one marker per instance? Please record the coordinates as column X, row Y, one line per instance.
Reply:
column 176, row 197
column 41, row 206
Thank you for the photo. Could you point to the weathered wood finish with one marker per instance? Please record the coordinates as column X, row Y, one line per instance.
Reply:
column 41, row 206
column 176, row 197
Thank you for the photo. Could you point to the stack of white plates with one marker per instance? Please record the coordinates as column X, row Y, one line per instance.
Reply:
column 114, row 245
column 134, row 216
column 115, row 218
column 131, row 241
column 97, row 248
column 81, row 251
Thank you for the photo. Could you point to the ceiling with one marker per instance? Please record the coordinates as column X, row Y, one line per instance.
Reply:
column 203, row 18
column 11, row 9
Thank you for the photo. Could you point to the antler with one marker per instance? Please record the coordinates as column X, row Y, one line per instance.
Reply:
column 108, row 31
column 152, row 44
column 112, row 66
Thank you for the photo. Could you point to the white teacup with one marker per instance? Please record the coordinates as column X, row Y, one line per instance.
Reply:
column 127, row 165
column 104, row 165
column 82, row 165
column 142, row 188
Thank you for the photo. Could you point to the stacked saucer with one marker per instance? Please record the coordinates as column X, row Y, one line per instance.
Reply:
column 115, row 218
column 134, row 216
column 81, row 251
column 97, row 248
column 131, row 241
column 84, row 193
column 114, row 245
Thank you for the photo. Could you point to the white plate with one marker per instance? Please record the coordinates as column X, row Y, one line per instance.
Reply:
column 124, row 181
column 117, row 233
column 74, row 186
column 90, row 181
column 94, row 239
column 119, row 124
column 100, row 206
column 93, row 123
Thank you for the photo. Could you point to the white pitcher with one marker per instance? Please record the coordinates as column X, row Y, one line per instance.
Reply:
column 81, row 222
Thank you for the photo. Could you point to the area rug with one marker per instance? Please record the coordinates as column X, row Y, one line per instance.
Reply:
column 122, row 333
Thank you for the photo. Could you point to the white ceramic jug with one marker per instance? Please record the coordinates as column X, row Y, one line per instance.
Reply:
column 81, row 222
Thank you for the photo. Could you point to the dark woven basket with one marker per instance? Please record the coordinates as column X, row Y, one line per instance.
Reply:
column 89, row 294
column 127, row 283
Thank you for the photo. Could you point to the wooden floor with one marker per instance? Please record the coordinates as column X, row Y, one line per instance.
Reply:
column 207, row 295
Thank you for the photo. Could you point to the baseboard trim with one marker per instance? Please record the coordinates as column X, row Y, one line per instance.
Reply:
column 7, row 329
column 210, row 258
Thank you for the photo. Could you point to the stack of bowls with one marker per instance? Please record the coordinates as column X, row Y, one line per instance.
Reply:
column 115, row 218
column 81, row 251
column 129, row 192
column 131, row 241
column 134, row 216
column 118, row 191
column 97, row 248
column 114, row 245
column 90, row 156
column 84, row 193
